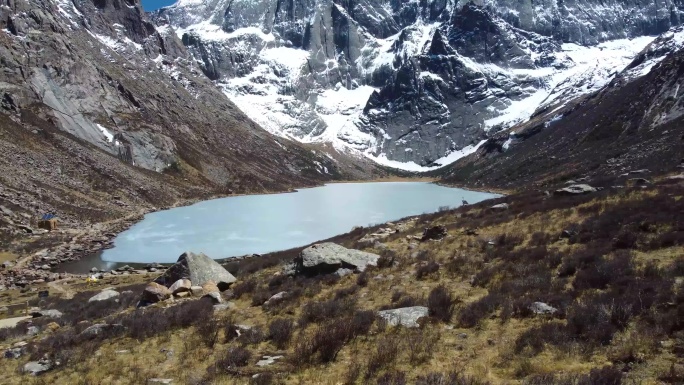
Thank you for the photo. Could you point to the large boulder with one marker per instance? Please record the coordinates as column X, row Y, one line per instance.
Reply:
column 199, row 269
column 104, row 295
column 327, row 258
column 405, row 316
column 154, row 293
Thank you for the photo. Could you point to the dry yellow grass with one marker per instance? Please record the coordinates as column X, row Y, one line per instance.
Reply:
column 485, row 351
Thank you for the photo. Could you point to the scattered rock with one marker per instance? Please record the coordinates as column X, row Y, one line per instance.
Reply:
column 542, row 308
column 224, row 306
column 36, row 367
column 462, row 336
column 434, row 233
column 27, row 229
column 97, row 329
column 181, row 285
column 215, row 297
column 52, row 327
column 14, row 353
column 154, row 293
column 406, row 316
column 568, row 234
column 326, row 258
column 196, row 291
column 576, row 189
column 51, row 313
column 32, row 330
column 152, row 381
column 268, row 360
column 676, row 177
column 104, row 295
column 275, row 298
column 638, row 182
column 199, row 269
column 210, row 287
column 500, row 207
column 344, row 272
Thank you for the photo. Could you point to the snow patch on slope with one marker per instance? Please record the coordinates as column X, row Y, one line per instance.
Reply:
column 587, row 69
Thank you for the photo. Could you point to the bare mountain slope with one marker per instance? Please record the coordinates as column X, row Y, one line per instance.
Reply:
column 96, row 121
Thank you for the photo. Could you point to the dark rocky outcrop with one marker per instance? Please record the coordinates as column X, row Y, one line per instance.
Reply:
column 434, row 233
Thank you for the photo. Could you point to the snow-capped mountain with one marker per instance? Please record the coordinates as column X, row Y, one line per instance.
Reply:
column 412, row 84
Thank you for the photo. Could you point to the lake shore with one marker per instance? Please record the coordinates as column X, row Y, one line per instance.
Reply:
column 85, row 242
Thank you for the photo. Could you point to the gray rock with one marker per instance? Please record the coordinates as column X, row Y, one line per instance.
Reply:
column 104, row 295
column 576, row 189
column 676, row 177
column 94, row 270
column 224, row 306
column 275, row 298
column 500, row 207
column 344, row 272
column 268, row 360
column 32, row 330
column 154, row 381
column 35, row 368
column 180, row 286
column 542, row 308
column 95, row 330
column 324, row 258
column 214, row 296
column 199, row 269
column 154, row 293
column 196, row 291
column 406, row 316
column 14, row 353
column 50, row 313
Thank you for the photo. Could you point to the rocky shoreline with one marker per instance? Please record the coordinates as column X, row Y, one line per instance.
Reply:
column 39, row 267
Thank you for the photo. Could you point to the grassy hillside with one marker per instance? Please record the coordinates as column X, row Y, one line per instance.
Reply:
column 610, row 262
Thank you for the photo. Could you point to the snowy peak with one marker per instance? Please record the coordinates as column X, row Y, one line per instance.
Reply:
column 406, row 83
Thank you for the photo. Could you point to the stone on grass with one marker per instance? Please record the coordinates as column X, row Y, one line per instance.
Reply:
column 500, row 207
column 35, row 368
column 104, row 295
column 155, row 381
column 542, row 308
column 49, row 313
column 576, row 189
column 199, row 269
column 154, row 293
column 268, row 360
column 405, row 316
column 275, row 298
column 327, row 258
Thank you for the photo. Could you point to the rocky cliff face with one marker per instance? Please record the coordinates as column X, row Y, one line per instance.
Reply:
column 102, row 115
column 408, row 81
column 632, row 127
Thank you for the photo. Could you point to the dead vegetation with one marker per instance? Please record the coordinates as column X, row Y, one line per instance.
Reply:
column 610, row 265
